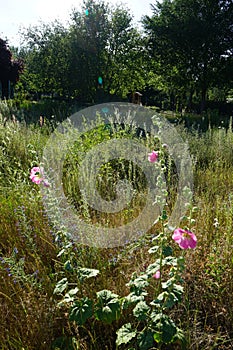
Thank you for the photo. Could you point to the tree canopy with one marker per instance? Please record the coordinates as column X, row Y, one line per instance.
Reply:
column 99, row 54
column 193, row 42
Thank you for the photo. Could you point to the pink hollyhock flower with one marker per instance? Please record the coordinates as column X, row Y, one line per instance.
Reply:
column 185, row 239
column 37, row 176
column 153, row 156
column 157, row 275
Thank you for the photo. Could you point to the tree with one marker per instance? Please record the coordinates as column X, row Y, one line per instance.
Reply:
column 99, row 54
column 125, row 55
column 107, row 49
column 89, row 33
column 10, row 69
column 45, row 55
column 192, row 40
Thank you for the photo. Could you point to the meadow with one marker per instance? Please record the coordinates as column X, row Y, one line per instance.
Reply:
column 39, row 262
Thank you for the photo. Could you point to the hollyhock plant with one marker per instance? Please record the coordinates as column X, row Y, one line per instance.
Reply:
column 37, row 176
column 186, row 239
column 153, row 156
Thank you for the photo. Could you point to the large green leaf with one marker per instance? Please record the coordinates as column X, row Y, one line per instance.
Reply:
column 139, row 282
column 167, row 251
column 81, row 310
column 168, row 330
column 165, row 328
column 141, row 310
column 153, row 268
column 69, row 296
column 153, row 249
column 133, row 298
column 84, row 273
column 145, row 340
column 125, row 334
column 178, row 291
column 108, row 306
column 61, row 286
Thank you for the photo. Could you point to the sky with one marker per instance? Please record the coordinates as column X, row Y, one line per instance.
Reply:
column 16, row 14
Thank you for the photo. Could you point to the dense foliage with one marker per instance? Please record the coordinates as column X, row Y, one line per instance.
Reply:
column 100, row 53
column 192, row 41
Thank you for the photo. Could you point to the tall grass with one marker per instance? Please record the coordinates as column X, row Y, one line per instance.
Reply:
column 209, row 275
column 29, row 266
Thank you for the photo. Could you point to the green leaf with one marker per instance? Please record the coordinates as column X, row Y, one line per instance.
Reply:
column 68, row 266
column 167, row 251
column 168, row 330
column 166, row 299
column 141, row 310
column 133, row 298
column 81, row 310
column 170, row 301
column 165, row 328
column 139, row 282
column 61, row 253
column 84, row 273
column 145, row 340
column 108, row 306
column 158, row 237
column 69, row 296
column 73, row 291
column 153, row 249
column 125, row 334
column 162, row 296
column 158, row 337
column 61, row 286
column 180, row 336
column 168, row 283
column 156, row 317
column 153, row 268
column 178, row 291
column 169, row 260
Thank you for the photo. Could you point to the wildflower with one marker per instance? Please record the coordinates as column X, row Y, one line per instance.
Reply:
column 37, row 176
column 153, row 156
column 9, row 271
column 216, row 223
column 185, row 239
column 157, row 275
column 45, row 183
column 35, row 273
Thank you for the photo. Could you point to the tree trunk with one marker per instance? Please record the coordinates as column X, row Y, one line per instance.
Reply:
column 190, row 101
column 204, row 88
column 5, row 89
column 203, row 99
